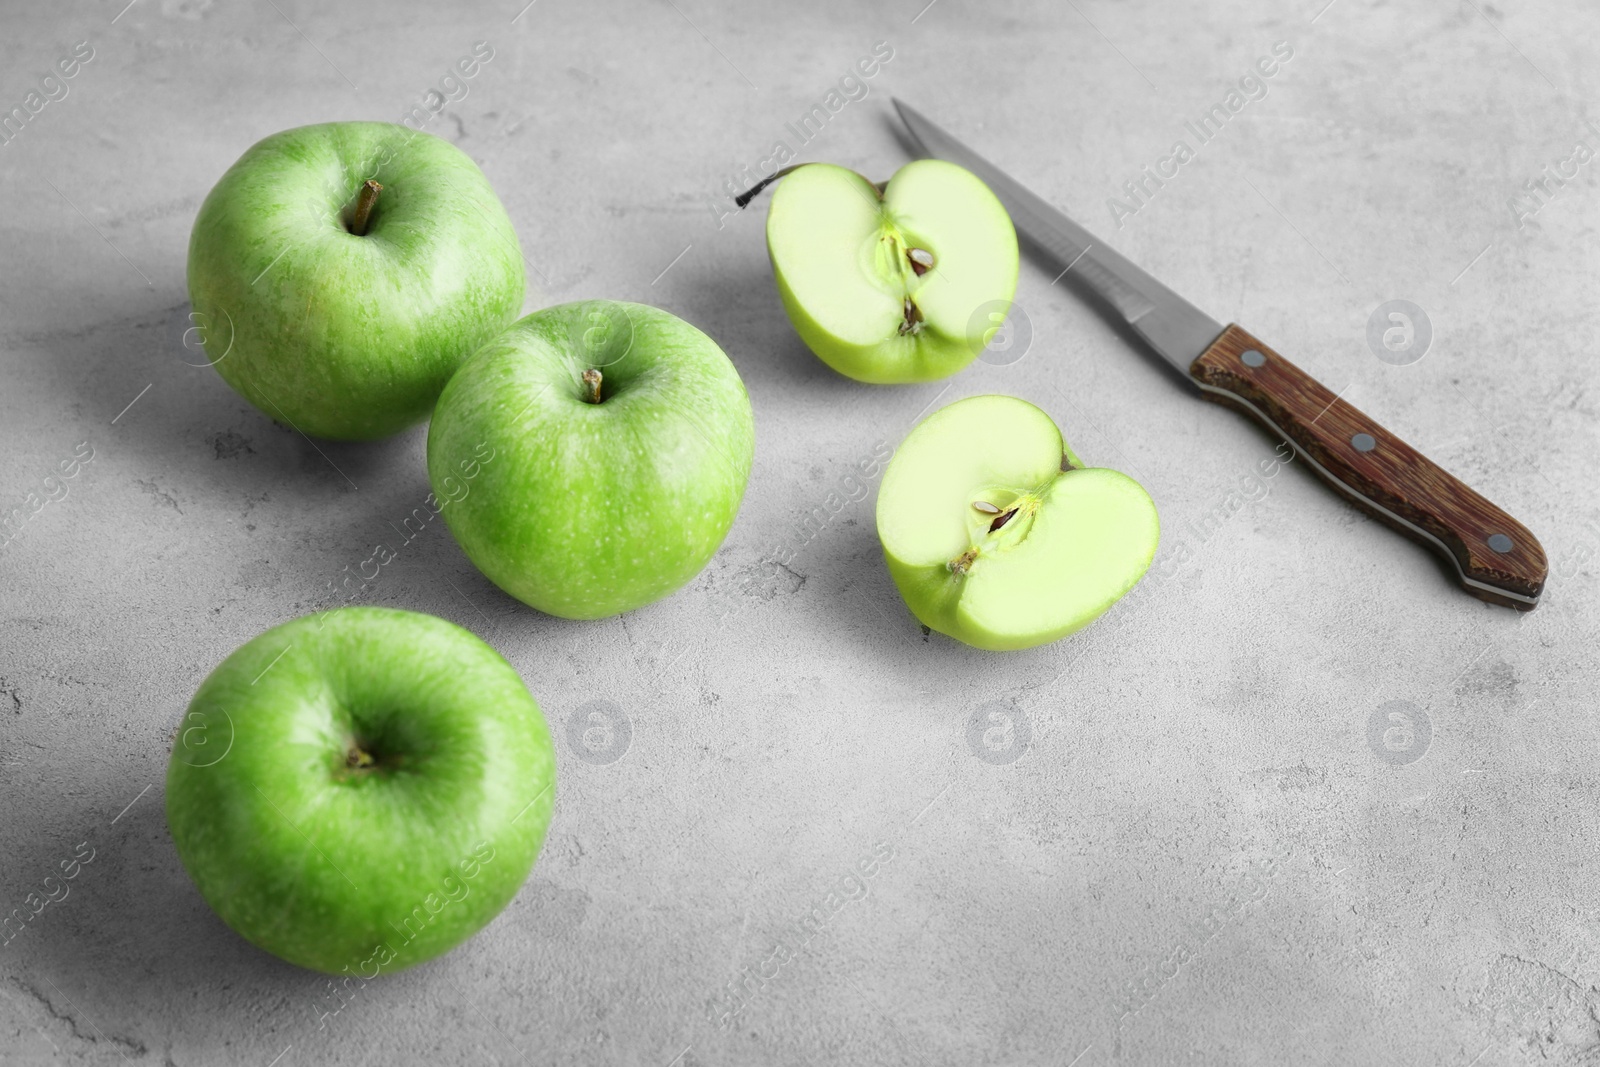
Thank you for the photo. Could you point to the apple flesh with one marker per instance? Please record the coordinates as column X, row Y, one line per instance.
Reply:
column 343, row 327
column 360, row 790
column 906, row 285
column 622, row 439
column 996, row 533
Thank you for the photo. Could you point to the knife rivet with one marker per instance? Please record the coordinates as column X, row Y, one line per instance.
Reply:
column 1251, row 358
column 1500, row 542
column 1364, row 442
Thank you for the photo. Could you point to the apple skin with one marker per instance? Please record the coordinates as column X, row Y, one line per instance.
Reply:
column 588, row 510
column 373, row 869
column 828, row 231
column 337, row 335
column 1058, row 544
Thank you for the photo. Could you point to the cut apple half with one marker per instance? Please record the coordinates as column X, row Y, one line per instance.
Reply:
column 903, row 285
column 995, row 532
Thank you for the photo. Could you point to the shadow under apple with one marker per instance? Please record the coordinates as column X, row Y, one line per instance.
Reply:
column 133, row 956
column 188, row 419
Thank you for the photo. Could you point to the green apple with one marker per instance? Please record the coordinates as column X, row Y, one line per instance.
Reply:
column 621, row 437
column 340, row 308
column 904, row 285
column 361, row 789
column 997, row 534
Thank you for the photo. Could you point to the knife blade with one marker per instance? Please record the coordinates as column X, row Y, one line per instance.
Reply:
column 1494, row 556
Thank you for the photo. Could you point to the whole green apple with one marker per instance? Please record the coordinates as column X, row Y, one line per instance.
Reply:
column 340, row 273
column 622, row 439
column 361, row 789
column 996, row 533
column 903, row 285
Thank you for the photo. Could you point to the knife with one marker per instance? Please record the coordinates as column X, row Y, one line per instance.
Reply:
column 1494, row 555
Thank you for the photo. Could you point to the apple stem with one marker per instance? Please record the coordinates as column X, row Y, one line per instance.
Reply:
column 1066, row 464
column 744, row 198
column 364, row 202
column 591, row 378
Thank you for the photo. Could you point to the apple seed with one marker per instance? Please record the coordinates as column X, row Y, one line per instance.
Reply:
column 1002, row 520
column 921, row 260
column 986, row 507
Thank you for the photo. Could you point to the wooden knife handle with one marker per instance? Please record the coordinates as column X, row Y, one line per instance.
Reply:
column 1496, row 557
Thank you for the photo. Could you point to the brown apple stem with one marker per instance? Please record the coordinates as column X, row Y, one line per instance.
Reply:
column 364, row 202
column 591, row 378
column 749, row 194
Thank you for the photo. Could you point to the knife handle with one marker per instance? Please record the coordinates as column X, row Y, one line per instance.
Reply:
column 1495, row 556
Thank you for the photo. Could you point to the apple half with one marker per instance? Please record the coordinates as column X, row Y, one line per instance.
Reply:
column 904, row 285
column 996, row 533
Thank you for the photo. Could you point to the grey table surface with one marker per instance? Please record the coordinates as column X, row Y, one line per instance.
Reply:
column 1191, row 833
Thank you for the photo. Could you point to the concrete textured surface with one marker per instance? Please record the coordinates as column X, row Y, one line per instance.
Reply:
column 1302, row 800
